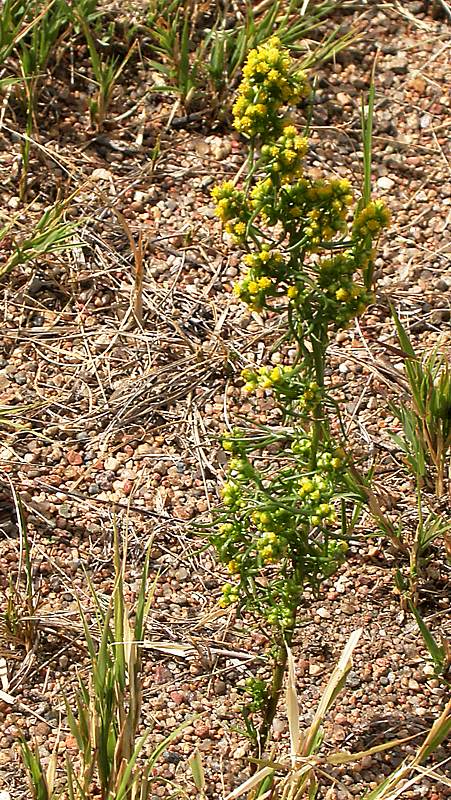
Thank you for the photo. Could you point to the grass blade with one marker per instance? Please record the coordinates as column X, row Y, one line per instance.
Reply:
column 292, row 709
column 333, row 688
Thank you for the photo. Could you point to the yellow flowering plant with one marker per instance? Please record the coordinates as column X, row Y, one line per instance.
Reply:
column 289, row 500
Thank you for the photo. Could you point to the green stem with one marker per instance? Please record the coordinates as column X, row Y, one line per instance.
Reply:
column 319, row 347
column 278, row 673
column 315, row 440
column 285, row 639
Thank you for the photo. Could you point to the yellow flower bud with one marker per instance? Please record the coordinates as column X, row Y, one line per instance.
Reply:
column 264, row 283
column 342, row 294
column 265, row 383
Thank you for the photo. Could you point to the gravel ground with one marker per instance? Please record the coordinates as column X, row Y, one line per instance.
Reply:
column 124, row 420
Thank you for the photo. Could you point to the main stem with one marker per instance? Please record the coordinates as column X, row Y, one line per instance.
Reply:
column 278, row 673
column 319, row 347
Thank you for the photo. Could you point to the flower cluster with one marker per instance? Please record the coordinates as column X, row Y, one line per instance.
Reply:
column 313, row 211
column 267, row 268
column 229, row 441
column 230, row 595
column 328, row 460
column 231, row 494
column 371, row 220
column 287, row 383
column 331, row 461
column 321, row 207
column 343, row 297
column 263, row 199
column 255, row 290
column 240, row 469
column 259, row 529
column 266, row 262
column 284, row 158
column 267, row 85
column 270, row 547
column 280, row 616
column 311, row 397
column 266, row 377
column 270, row 525
column 315, row 491
column 231, row 208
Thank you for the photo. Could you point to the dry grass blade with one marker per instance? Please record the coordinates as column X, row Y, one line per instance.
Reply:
column 406, row 785
column 292, row 709
column 300, row 777
column 333, row 688
column 138, row 257
column 390, row 789
column 431, row 772
column 251, row 783
column 302, row 774
column 438, row 733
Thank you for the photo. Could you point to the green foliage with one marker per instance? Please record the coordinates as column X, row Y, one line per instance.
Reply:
column 51, row 234
column 106, row 722
column 16, row 25
column 41, row 25
column 18, row 618
column 32, row 29
column 426, row 416
column 200, row 57
column 268, row 518
column 297, row 774
column 197, row 771
column 50, row 20
column 440, row 653
column 429, row 528
column 106, row 72
column 31, row 32
column 291, row 498
column 257, row 691
column 45, row 26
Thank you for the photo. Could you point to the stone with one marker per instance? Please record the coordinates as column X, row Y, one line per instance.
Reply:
column 219, row 687
column 74, row 458
column 344, row 99
column 385, row 183
column 112, row 463
column 144, row 449
column 315, row 669
column 399, row 65
column 4, row 380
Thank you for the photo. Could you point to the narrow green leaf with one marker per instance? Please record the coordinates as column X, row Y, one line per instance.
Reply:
column 197, row 770
column 402, row 335
column 436, row 652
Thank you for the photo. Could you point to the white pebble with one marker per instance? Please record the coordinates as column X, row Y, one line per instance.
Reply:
column 385, row 183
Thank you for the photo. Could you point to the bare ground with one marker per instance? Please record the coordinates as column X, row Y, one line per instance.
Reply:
column 125, row 417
